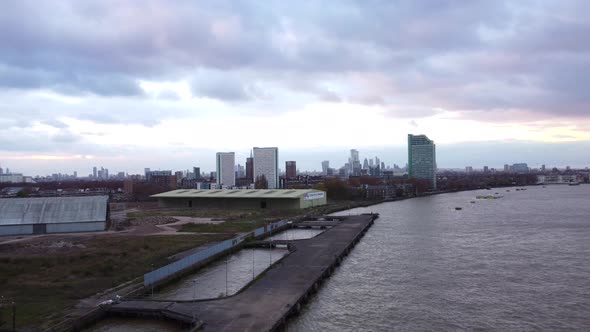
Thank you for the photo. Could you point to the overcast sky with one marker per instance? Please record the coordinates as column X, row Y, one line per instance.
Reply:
column 166, row 84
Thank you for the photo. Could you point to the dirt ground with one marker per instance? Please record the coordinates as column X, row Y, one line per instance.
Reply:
column 150, row 225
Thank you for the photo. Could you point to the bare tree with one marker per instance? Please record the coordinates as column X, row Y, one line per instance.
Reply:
column 261, row 182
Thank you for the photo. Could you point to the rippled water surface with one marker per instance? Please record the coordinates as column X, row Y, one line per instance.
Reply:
column 521, row 262
column 119, row 324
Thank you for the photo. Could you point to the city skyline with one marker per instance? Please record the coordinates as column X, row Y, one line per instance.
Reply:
column 310, row 161
column 143, row 83
column 340, row 162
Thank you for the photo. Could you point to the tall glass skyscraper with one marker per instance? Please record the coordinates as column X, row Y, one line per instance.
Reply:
column 422, row 158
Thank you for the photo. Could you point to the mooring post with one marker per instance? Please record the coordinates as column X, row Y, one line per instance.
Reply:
column 253, row 252
column 194, row 289
column 226, row 256
column 152, row 284
column 14, row 316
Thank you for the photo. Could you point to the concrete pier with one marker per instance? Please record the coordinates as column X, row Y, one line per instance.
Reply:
column 267, row 303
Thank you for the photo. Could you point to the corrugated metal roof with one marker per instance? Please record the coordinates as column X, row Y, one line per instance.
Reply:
column 52, row 210
column 236, row 193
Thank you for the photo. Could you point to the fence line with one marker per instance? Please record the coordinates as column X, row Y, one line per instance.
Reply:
column 187, row 262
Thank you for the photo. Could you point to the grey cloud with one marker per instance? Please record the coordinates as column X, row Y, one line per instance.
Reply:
column 15, row 123
column 54, row 123
column 222, row 89
column 114, row 110
column 68, row 83
column 27, row 140
column 109, row 86
column 435, row 52
column 329, row 96
column 65, row 136
column 231, row 86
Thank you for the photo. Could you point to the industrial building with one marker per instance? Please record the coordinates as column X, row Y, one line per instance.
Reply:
column 46, row 215
column 241, row 199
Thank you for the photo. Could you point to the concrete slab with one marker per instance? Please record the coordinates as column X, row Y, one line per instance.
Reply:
column 265, row 304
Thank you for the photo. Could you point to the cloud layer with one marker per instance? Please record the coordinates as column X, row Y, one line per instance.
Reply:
column 69, row 64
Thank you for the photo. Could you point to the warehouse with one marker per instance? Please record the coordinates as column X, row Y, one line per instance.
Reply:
column 46, row 215
column 242, row 199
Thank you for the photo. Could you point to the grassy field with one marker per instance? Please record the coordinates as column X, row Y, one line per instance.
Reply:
column 44, row 278
column 241, row 222
column 49, row 274
column 211, row 213
column 231, row 226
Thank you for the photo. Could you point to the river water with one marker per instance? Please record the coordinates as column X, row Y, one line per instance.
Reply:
column 521, row 262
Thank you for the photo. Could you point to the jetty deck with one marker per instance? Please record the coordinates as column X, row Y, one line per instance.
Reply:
column 280, row 292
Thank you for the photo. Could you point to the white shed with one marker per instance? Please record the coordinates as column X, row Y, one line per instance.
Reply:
column 45, row 215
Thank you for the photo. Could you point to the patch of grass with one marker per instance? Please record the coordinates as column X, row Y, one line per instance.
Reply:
column 44, row 283
column 227, row 215
column 231, row 226
column 246, row 221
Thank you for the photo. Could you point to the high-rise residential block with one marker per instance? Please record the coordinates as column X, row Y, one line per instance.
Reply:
column 240, row 171
column 250, row 169
column 290, row 169
column 266, row 163
column 354, row 162
column 354, row 155
column 225, row 174
column 422, row 158
column 520, row 168
column 325, row 166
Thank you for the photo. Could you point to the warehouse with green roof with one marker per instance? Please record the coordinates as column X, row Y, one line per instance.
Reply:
column 243, row 199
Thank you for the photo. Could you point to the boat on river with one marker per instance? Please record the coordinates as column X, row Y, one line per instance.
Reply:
column 489, row 197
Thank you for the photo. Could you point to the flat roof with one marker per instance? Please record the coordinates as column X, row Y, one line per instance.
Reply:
column 236, row 193
column 52, row 210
